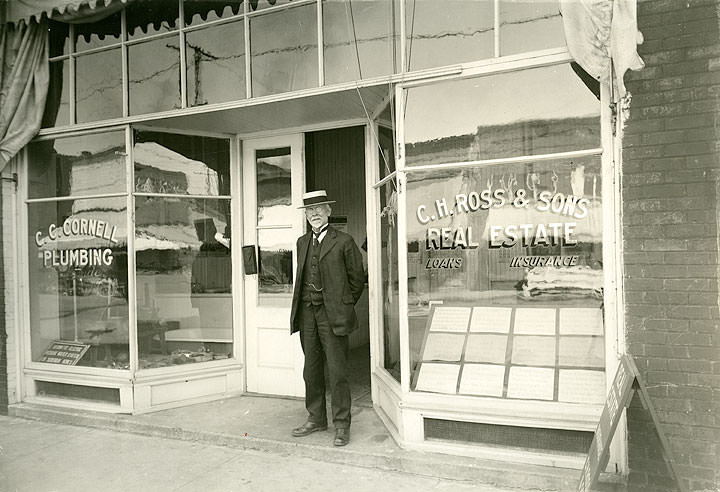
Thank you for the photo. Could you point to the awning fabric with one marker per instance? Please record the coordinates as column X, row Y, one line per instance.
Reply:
column 60, row 10
column 598, row 31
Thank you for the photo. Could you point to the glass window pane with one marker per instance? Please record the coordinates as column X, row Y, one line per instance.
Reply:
column 284, row 51
column 78, row 282
column 184, row 281
column 275, row 275
column 216, row 64
column 448, row 32
column 358, row 39
column 386, row 136
column 154, row 73
column 389, row 269
column 500, row 116
column 200, row 11
column 148, row 17
column 274, row 187
column 99, row 88
column 506, row 261
column 181, row 164
column 84, row 165
column 57, row 105
column 101, row 33
column 529, row 25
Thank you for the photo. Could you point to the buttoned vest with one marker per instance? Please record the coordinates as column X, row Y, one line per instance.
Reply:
column 312, row 282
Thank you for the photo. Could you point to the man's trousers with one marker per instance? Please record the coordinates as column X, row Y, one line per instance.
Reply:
column 319, row 345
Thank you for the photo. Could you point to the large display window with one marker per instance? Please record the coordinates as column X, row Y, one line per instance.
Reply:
column 80, row 234
column 77, row 244
column 183, row 266
column 504, row 238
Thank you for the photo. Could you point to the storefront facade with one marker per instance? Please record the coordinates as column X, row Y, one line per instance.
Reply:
column 476, row 164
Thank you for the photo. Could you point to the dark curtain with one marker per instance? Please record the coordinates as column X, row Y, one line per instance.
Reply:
column 24, row 78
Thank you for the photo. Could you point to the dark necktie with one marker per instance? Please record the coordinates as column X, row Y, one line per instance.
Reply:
column 316, row 242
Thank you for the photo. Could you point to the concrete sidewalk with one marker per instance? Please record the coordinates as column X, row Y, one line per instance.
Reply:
column 220, row 437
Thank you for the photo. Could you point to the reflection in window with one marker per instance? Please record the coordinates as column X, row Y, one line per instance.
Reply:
column 264, row 4
column 275, row 261
column 84, row 165
column 284, row 51
column 200, row 12
column 78, row 282
column 273, row 186
column 520, row 244
column 181, row 164
column 154, row 75
column 389, row 272
column 99, row 87
column 148, row 17
column 57, row 105
column 529, row 25
column 358, row 40
column 386, row 137
column 216, row 64
column 183, row 275
column 500, row 116
column 101, row 33
column 447, row 32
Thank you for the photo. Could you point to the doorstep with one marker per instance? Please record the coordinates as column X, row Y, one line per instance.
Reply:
column 262, row 423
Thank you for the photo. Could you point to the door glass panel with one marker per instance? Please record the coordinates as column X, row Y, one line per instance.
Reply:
column 184, row 281
column 275, row 274
column 274, row 199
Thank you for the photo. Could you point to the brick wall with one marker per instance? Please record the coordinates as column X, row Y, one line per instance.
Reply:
column 671, row 201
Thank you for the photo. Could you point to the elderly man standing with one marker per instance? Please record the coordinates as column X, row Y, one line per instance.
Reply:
column 329, row 281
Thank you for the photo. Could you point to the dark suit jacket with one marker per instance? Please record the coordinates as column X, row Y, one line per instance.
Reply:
column 342, row 276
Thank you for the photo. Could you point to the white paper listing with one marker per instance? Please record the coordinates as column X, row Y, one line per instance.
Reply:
column 453, row 319
column 532, row 383
column 482, row 380
column 534, row 321
column 444, row 346
column 581, row 386
column 491, row 319
column 581, row 321
column 438, row 378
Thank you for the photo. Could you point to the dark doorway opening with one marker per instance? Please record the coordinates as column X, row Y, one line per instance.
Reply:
column 335, row 161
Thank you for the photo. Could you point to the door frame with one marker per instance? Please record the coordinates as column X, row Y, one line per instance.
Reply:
column 248, row 188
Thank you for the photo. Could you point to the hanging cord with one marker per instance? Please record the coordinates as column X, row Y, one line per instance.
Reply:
column 375, row 136
column 355, row 39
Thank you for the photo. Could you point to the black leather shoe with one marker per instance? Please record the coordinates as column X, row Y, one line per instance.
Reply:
column 342, row 437
column 308, row 428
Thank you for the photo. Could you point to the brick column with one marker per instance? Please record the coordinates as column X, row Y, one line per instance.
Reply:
column 671, row 209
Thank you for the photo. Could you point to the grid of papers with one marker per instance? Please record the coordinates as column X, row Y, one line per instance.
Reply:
column 531, row 353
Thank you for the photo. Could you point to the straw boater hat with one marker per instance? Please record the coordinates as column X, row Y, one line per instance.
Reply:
column 312, row 198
